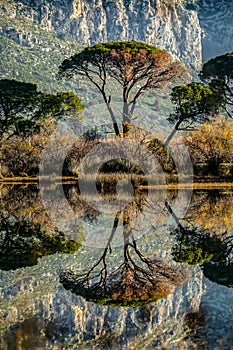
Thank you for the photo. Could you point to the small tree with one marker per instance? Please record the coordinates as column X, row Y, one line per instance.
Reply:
column 135, row 66
column 213, row 252
column 218, row 73
column 194, row 103
column 23, row 108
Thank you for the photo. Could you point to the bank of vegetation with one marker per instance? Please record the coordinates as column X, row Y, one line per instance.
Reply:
column 201, row 112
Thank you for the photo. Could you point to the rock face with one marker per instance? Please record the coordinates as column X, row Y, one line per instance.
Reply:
column 35, row 308
column 164, row 23
column 192, row 31
column 215, row 18
column 218, row 314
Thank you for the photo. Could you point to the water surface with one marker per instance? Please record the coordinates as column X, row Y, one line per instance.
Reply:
column 189, row 310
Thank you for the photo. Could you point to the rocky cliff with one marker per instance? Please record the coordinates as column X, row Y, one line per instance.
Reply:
column 191, row 30
column 215, row 17
column 165, row 23
column 37, row 312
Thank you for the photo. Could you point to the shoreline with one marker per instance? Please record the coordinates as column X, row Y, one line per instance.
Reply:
column 197, row 183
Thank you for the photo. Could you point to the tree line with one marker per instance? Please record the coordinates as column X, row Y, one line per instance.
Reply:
column 27, row 114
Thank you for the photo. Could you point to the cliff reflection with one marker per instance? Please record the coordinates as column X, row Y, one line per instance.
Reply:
column 136, row 274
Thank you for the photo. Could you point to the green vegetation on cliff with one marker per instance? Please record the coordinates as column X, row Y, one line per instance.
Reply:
column 29, row 53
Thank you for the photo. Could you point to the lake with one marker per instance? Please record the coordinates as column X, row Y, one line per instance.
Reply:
column 154, row 272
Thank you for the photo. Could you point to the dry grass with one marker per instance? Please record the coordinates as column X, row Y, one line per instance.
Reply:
column 195, row 185
column 36, row 179
column 138, row 181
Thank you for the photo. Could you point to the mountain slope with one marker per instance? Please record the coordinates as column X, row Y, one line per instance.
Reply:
column 215, row 18
column 28, row 52
column 35, row 36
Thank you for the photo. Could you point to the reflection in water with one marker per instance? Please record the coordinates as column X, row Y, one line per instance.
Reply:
column 211, row 251
column 22, row 243
column 197, row 247
column 207, row 248
column 95, row 213
column 23, row 202
column 26, row 335
column 131, row 274
column 70, row 322
column 137, row 281
column 212, row 209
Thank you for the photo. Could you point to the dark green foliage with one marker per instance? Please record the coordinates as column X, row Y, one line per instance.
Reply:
column 221, row 273
column 23, row 108
column 17, row 98
column 194, row 103
column 220, row 67
column 196, row 248
column 193, row 255
column 22, row 243
column 67, row 103
column 218, row 73
column 126, row 46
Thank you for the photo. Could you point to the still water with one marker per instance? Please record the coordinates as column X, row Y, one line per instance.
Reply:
column 156, row 274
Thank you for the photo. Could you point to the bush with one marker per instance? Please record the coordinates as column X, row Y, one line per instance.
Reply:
column 200, row 169
column 225, row 169
column 222, row 170
column 19, row 158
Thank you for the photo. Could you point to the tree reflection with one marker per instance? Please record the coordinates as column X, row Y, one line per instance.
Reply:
column 213, row 252
column 22, row 243
column 195, row 246
column 138, row 280
column 212, row 209
column 22, row 201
